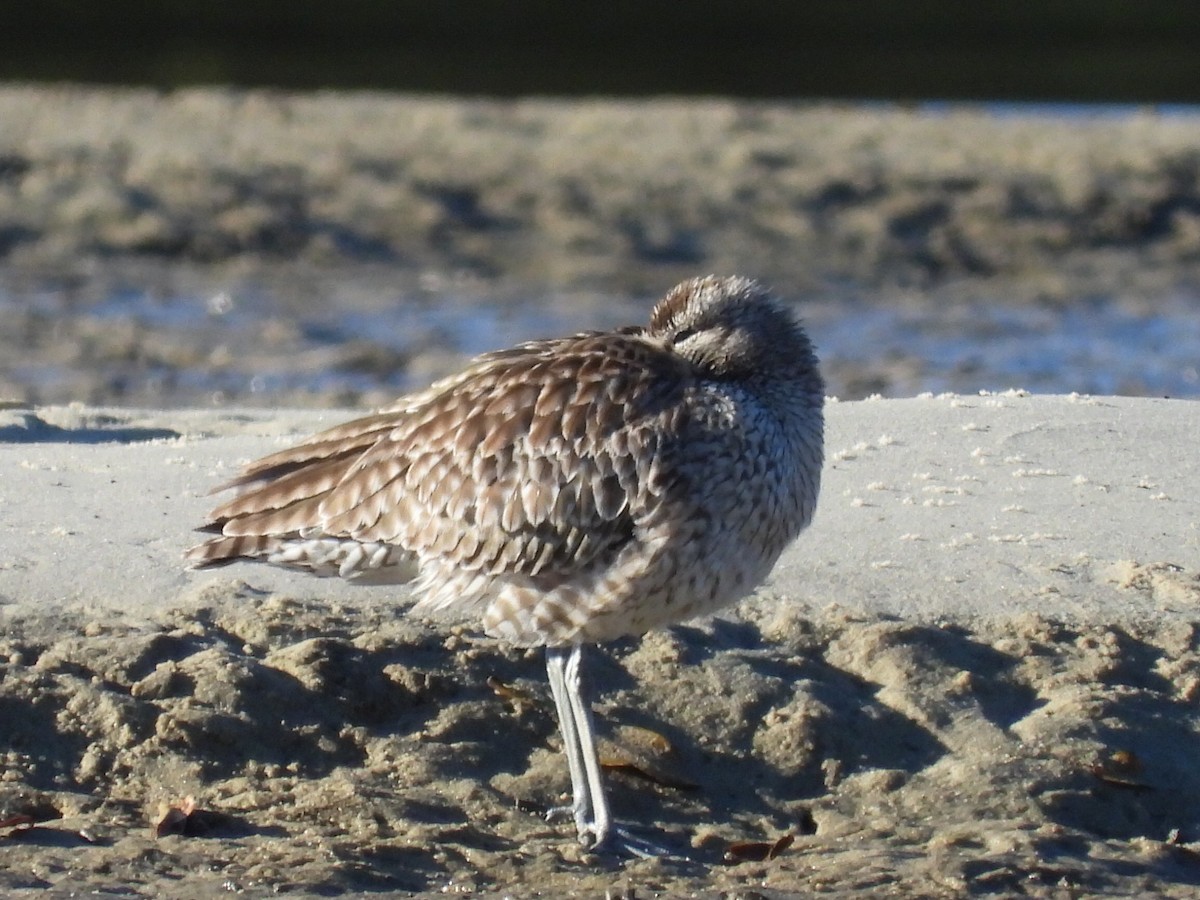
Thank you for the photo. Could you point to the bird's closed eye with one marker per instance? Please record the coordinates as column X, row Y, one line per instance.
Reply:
column 680, row 336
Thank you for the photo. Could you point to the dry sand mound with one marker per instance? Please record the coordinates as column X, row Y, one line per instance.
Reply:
column 333, row 750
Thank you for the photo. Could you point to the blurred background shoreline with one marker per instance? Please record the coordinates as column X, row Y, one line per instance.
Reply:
column 289, row 204
column 262, row 247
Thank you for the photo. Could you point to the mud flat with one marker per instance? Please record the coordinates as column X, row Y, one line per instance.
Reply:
column 977, row 674
column 599, row 192
column 201, row 205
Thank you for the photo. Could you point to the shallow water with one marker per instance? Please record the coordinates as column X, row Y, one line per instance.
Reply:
column 1097, row 347
column 345, row 343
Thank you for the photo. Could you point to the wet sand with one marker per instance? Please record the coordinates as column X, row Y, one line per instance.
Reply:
column 360, row 201
column 976, row 674
column 606, row 192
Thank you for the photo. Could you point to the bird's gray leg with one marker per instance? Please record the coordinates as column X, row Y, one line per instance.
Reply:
column 590, row 807
column 558, row 661
column 585, row 726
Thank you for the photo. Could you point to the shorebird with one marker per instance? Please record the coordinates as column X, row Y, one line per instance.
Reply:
column 564, row 492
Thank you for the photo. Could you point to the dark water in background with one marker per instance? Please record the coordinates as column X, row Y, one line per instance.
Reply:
column 1076, row 50
column 363, row 346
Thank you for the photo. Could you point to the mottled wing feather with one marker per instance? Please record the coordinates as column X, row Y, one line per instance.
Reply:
column 250, row 511
column 512, row 471
column 222, row 550
column 339, row 441
column 524, row 463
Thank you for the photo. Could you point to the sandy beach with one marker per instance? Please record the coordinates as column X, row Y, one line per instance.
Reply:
column 977, row 674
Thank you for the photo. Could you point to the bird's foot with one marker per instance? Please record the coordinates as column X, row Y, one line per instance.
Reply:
column 624, row 841
column 615, row 840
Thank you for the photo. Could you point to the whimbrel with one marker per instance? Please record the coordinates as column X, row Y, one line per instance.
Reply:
column 566, row 491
